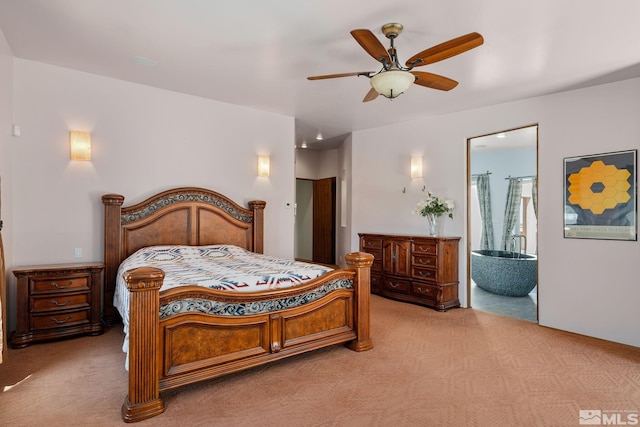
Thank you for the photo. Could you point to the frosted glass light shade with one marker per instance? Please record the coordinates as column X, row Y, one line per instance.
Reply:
column 263, row 165
column 80, row 145
column 416, row 167
column 392, row 83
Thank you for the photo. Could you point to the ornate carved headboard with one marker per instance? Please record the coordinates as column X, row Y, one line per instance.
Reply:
column 181, row 216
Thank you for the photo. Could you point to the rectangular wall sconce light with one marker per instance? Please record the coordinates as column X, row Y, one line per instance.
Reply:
column 416, row 167
column 80, row 145
column 263, row 165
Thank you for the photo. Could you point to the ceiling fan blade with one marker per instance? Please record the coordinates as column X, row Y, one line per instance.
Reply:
column 371, row 44
column 333, row 76
column 434, row 81
column 370, row 96
column 447, row 49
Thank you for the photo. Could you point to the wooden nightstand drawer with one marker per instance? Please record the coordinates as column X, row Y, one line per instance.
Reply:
column 62, row 319
column 59, row 302
column 60, row 284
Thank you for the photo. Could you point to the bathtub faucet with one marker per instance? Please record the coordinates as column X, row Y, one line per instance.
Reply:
column 519, row 238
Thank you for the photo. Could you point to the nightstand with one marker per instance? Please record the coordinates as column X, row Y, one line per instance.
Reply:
column 57, row 301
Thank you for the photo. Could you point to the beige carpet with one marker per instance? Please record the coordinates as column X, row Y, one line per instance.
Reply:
column 459, row 368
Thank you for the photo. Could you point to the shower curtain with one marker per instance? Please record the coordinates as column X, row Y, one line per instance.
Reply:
column 534, row 194
column 511, row 211
column 484, row 200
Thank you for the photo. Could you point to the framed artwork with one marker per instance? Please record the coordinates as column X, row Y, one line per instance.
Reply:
column 600, row 196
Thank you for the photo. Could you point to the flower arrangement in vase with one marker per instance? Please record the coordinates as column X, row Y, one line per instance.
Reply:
column 433, row 207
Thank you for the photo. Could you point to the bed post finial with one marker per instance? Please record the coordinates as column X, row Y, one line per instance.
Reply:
column 361, row 263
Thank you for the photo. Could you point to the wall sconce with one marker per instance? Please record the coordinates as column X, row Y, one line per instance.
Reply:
column 263, row 166
column 416, row 167
column 80, row 145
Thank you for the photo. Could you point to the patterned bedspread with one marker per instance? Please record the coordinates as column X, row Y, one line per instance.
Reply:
column 221, row 267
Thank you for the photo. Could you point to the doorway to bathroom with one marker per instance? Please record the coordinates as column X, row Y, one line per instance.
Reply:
column 315, row 226
column 502, row 223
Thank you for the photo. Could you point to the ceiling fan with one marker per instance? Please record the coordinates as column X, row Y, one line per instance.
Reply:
column 393, row 79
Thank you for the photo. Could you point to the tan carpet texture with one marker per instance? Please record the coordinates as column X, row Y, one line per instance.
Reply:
column 459, row 368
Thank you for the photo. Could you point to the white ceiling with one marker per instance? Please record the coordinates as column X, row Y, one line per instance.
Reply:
column 258, row 53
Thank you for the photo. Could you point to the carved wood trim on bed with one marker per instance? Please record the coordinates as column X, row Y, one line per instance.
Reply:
column 331, row 309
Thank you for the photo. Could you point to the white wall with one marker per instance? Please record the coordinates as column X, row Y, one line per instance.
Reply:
column 6, row 174
column 304, row 219
column 6, row 119
column 585, row 286
column 144, row 140
column 311, row 164
column 345, row 188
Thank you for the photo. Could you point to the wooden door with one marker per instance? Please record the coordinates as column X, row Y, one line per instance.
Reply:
column 324, row 220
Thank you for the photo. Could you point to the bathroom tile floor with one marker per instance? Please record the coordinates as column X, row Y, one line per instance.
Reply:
column 519, row 307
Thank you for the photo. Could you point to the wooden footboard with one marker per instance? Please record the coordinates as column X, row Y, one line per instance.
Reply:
column 170, row 351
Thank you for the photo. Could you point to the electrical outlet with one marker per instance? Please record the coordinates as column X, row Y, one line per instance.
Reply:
column 78, row 252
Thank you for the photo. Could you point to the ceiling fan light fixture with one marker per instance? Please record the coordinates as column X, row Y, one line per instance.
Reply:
column 391, row 84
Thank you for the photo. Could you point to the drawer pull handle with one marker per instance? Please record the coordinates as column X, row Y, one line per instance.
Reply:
column 62, row 321
column 60, row 304
column 423, row 274
column 55, row 285
column 424, row 261
column 394, row 285
column 423, row 291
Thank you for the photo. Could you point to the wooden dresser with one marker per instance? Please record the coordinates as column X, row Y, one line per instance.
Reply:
column 56, row 301
column 417, row 269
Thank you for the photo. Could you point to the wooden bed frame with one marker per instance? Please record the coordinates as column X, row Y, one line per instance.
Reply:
column 161, row 354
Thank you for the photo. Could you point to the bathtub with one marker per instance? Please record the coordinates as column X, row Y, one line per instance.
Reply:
column 504, row 273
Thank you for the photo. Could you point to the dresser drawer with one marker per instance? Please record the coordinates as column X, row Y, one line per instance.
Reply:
column 425, row 291
column 425, row 261
column 396, row 285
column 59, row 302
column 425, row 247
column 372, row 244
column 377, row 265
column 57, row 320
column 424, row 273
column 59, row 284
column 376, row 283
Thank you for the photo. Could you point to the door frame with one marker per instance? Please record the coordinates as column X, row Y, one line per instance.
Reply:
column 469, row 303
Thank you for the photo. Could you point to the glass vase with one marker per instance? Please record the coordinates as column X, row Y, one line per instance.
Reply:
column 433, row 224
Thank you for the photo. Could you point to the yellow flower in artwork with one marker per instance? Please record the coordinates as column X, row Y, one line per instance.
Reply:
column 611, row 187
